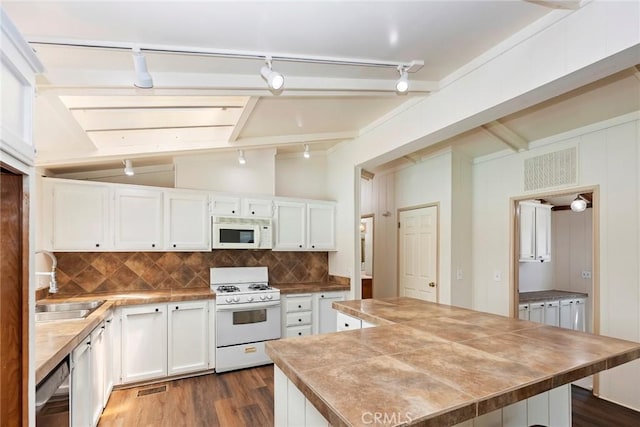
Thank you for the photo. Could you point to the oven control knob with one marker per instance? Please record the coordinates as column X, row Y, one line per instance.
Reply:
column 250, row 299
column 228, row 299
column 236, row 299
column 269, row 296
column 262, row 297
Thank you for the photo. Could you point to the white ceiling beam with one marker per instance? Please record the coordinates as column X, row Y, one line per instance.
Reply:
column 636, row 71
column 244, row 118
column 506, row 136
column 108, row 173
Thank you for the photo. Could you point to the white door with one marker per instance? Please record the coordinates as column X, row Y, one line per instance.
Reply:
column 188, row 337
column 418, row 256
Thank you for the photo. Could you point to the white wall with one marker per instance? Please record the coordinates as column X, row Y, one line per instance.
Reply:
column 537, row 276
column 572, row 243
column 608, row 156
column 296, row 176
column 222, row 172
column 461, row 257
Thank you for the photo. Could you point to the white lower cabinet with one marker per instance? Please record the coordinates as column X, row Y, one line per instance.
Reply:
column 536, row 312
column 297, row 315
column 348, row 323
column 188, row 337
column 523, row 311
column 159, row 340
column 81, row 387
column 326, row 320
column 552, row 313
column 108, row 358
column 144, row 342
column 98, row 355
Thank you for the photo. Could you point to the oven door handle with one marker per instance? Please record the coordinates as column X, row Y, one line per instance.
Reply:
column 248, row 306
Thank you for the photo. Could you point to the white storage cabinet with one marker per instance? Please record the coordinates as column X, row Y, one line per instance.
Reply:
column 297, row 315
column 326, row 319
column 81, row 385
column 144, row 342
column 535, row 232
column 187, row 225
column 304, row 226
column 138, row 219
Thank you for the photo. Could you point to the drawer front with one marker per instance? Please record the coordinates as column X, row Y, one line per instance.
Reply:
column 298, row 331
column 301, row 318
column 298, row 304
column 346, row 322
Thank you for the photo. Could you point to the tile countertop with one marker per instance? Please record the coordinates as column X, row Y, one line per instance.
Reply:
column 526, row 297
column 55, row 340
column 440, row 364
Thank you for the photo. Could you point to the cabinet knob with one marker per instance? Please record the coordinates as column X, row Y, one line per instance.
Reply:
column 313, row 246
column 299, row 246
column 177, row 308
column 299, row 320
column 153, row 245
column 346, row 325
column 432, row 285
column 233, row 211
column 321, row 296
column 97, row 245
column 253, row 212
column 299, row 306
column 300, row 333
column 174, row 245
column 157, row 310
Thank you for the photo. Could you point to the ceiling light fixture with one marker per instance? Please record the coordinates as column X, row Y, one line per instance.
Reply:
column 128, row 168
column 579, row 204
column 274, row 79
column 143, row 78
column 241, row 158
column 402, row 84
column 306, row 153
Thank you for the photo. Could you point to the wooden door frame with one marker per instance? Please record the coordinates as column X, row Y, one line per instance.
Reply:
column 514, row 244
column 25, row 283
column 373, row 250
column 410, row 208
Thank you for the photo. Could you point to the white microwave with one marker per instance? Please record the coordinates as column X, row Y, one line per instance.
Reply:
column 241, row 233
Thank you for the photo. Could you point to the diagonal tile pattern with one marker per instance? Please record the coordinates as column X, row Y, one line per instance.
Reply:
column 88, row 272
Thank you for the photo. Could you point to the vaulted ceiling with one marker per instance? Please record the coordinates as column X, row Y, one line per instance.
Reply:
column 89, row 114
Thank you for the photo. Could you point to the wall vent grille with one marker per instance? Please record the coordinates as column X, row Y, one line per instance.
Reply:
column 551, row 170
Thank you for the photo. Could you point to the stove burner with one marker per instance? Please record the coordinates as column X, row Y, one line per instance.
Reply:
column 227, row 288
column 259, row 287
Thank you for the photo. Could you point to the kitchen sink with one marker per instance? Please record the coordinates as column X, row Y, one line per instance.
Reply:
column 65, row 310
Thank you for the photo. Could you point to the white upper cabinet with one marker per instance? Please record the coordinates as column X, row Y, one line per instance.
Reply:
column 261, row 208
column 290, row 225
column 321, row 226
column 535, row 232
column 225, row 205
column 18, row 67
column 78, row 217
column 187, row 224
column 138, row 219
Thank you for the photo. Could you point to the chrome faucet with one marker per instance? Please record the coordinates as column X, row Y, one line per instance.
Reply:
column 53, row 283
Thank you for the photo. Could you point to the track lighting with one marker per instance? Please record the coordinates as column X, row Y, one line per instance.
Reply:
column 241, row 158
column 306, row 153
column 274, row 79
column 579, row 204
column 128, row 168
column 402, row 84
column 143, row 78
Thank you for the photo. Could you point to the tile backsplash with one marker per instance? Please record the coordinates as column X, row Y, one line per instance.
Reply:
column 90, row 272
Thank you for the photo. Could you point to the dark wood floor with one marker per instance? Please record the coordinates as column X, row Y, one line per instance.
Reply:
column 245, row 398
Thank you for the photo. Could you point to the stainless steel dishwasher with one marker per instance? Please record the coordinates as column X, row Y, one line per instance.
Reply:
column 52, row 398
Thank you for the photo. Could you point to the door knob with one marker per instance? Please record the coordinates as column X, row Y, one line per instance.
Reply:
column 432, row 285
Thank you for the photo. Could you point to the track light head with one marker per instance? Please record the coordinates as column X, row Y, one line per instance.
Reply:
column 402, row 84
column 274, row 79
column 143, row 78
column 128, row 168
column 579, row 204
column 306, row 153
column 241, row 158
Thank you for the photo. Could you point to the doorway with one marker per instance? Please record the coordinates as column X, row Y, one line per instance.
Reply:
column 418, row 253
column 367, row 230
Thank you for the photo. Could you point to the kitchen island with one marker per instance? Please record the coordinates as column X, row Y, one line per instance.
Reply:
column 433, row 364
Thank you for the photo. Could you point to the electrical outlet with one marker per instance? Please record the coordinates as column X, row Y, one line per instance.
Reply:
column 497, row 275
column 586, row 275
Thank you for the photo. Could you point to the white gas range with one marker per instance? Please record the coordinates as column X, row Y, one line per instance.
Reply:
column 247, row 315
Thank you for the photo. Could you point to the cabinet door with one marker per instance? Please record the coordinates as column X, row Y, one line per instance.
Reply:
column 347, row 323
column 523, row 311
column 188, row 337
column 565, row 313
column 552, row 313
column 321, row 228
column 144, row 343
column 225, row 205
column 257, row 208
column 578, row 315
column 138, row 222
column 536, row 312
column 543, row 233
column 79, row 216
column 187, row 225
column 327, row 320
column 97, row 373
column 81, row 388
column 290, row 225
column 527, row 232
column 108, row 359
